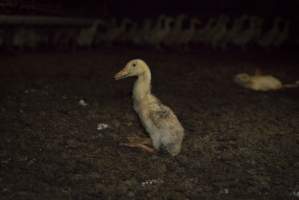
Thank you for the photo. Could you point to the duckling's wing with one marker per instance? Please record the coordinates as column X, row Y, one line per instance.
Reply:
column 163, row 118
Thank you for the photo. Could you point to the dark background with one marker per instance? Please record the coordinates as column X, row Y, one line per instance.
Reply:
column 138, row 8
column 141, row 9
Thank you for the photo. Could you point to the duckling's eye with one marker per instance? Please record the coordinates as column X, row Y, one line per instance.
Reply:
column 134, row 64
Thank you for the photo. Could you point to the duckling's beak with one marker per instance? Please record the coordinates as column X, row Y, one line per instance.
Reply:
column 122, row 74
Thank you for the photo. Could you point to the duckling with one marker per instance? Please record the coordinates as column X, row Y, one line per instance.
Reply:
column 236, row 28
column 159, row 121
column 269, row 37
column 261, row 82
column 187, row 35
column 203, row 35
column 283, row 35
column 160, row 32
column 87, row 36
column 142, row 34
column 175, row 34
column 247, row 36
column 218, row 37
column 116, row 32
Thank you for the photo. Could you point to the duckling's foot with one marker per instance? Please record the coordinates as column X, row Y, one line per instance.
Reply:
column 137, row 142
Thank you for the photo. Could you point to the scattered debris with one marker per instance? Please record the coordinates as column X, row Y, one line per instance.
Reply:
column 27, row 91
column 102, row 126
column 226, row 191
column 152, row 182
column 83, row 103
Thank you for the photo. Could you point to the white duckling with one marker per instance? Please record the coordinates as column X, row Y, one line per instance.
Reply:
column 156, row 26
column 142, row 34
column 246, row 36
column 269, row 37
column 19, row 38
column 187, row 35
column 203, row 35
column 87, row 36
column 282, row 37
column 26, row 38
column 218, row 38
column 115, row 33
column 259, row 82
column 160, row 32
column 236, row 28
column 160, row 122
column 175, row 34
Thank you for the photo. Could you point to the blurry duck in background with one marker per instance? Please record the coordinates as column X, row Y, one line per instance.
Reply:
column 149, row 36
column 159, row 33
column 130, row 33
column 219, row 33
column 260, row 82
column 244, row 37
column 19, row 38
column 174, row 35
column 187, row 35
column 269, row 37
column 236, row 28
column 159, row 121
column 114, row 31
column 203, row 35
column 282, row 37
column 142, row 34
column 87, row 36
column 109, row 33
column 127, row 27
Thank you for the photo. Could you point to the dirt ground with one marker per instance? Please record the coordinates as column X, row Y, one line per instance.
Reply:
column 239, row 144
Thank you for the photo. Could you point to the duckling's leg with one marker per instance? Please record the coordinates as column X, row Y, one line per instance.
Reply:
column 137, row 142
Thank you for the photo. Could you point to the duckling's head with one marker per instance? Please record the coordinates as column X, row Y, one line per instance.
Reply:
column 134, row 67
column 242, row 78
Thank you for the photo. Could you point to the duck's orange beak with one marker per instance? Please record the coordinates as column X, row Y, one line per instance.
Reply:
column 122, row 74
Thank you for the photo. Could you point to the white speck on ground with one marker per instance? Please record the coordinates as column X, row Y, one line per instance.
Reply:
column 102, row 126
column 226, row 191
column 152, row 182
column 83, row 103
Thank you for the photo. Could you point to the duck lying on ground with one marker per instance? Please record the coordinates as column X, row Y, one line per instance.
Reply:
column 260, row 82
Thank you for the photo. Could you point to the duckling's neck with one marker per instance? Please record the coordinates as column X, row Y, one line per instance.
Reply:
column 142, row 86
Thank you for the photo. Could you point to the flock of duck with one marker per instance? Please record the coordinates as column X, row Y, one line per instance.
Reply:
column 162, row 125
column 181, row 30
column 163, row 31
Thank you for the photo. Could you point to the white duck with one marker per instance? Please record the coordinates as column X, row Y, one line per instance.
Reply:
column 19, row 38
column 259, row 82
column 236, row 28
column 160, row 32
column 218, row 38
column 175, row 34
column 160, row 122
column 246, row 36
column 283, row 35
column 187, row 35
column 115, row 33
column 203, row 35
column 87, row 36
column 142, row 34
column 269, row 37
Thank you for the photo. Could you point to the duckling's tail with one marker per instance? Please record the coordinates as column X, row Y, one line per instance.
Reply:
column 294, row 85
